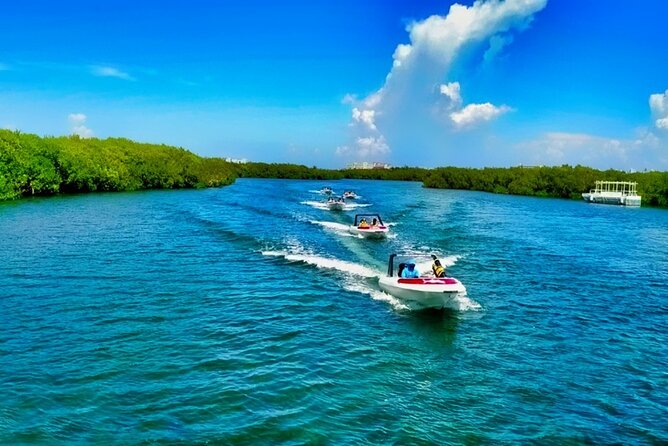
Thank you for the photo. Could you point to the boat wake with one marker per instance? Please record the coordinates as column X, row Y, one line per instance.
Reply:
column 362, row 279
column 326, row 263
column 323, row 206
column 339, row 228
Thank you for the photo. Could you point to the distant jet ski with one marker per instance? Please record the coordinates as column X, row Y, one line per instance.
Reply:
column 369, row 226
column 349, row 195
column 425, row 291
column 326, row 191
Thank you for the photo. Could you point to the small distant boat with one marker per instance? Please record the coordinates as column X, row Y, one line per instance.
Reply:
column 326, row 191
column 349, row 195
column 335, row 203
column 613, row 192
column 368, row 226
column 426, row 291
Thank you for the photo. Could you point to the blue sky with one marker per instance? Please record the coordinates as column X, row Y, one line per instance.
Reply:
column 426, row 83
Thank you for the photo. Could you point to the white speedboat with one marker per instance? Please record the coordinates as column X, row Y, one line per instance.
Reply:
column 326, row 191
column 349, row 195
column 335, row 203
column 369, row 226
column 425, row 291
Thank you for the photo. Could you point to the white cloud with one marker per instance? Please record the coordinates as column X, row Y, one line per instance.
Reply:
column 406, row 102
column 349, row 99
column 364, row 116
column 475, row 113
column 106, row 71
column 77, row 121
column 658, row 105
column 365, row 148
column 452, row 92
column 554, row 148
column 662, row 123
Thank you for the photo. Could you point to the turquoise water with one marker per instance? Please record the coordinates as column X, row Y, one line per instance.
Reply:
column 244, row 315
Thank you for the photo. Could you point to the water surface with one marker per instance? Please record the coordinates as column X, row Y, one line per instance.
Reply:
column 246, row 315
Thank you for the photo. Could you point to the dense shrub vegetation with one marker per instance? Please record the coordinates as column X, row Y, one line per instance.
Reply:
column 558, row 181
column 30, row 165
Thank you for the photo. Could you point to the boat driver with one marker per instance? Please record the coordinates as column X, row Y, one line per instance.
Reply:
column 410, row 272
column 374, row 223
column 363, row 224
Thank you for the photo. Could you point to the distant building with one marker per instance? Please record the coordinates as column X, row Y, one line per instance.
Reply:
column 236, row 160
column 367, row 165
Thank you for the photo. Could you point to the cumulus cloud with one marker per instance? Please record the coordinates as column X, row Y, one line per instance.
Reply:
column 475, row 113
column 452, row 92
column 77, row 121
column 365, row 117
column 420, row 66
column 658, row 104
column 106, row 71
column 470, row 115
column 554, row 148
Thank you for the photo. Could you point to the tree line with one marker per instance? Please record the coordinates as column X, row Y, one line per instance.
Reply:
column 557, row 182
column 31, row 165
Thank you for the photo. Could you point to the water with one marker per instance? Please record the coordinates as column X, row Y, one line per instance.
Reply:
column 246, row 315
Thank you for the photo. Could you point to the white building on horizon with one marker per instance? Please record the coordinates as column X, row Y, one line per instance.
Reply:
column 236, row 160
column 368, row 165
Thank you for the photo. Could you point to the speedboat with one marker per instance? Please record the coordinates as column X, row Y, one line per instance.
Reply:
column 326, row 191
column 369, row 226
column 335, row 203
column 349, row 195
column 425, row 291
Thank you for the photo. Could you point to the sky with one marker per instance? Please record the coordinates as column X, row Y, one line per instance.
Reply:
column 421, row 83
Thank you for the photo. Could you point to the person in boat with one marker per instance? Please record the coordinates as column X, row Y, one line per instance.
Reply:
column 374, row 223
column 363, row 224
column 410, row 271
column 438, row 269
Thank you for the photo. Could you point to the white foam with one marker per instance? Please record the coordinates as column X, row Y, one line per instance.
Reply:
column 362, row 288
column 316, row 204
column 351, row 206
column 327, row 263
column 462, row 302
column 339, row 227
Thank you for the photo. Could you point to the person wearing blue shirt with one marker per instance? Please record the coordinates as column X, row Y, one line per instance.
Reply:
column 410, row 272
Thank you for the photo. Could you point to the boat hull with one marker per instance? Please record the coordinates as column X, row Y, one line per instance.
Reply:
column 376, row 233
column 335, row 206
column 423, row 293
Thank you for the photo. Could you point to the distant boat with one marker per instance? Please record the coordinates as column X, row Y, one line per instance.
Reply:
column 335, row 203
column 613, row 192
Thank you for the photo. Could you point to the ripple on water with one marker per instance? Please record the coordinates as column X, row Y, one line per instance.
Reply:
column 240, row 316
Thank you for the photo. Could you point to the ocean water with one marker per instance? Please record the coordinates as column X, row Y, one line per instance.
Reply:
column 247, row 315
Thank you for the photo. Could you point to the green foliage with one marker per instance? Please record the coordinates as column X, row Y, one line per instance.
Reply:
column 559, row 181
column 30, row 165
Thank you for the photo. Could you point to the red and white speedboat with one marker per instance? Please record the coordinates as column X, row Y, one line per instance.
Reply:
column 426, row 291
column 368, row 226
